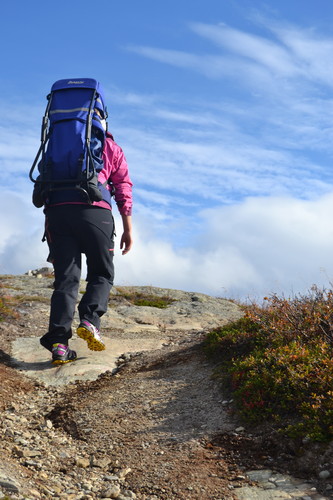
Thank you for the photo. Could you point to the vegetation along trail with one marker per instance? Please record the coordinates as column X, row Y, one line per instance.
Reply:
column 152, row 423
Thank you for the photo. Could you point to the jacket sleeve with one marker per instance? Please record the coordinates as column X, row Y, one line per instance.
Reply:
column 116, row 170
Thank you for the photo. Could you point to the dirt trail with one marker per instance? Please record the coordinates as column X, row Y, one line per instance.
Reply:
column 157, row 428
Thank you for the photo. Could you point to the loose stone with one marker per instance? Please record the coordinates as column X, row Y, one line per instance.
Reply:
column 112, row 492
column 82, row 462
column 324, row 474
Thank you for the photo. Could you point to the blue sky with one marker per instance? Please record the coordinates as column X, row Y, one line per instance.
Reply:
column 224, row 111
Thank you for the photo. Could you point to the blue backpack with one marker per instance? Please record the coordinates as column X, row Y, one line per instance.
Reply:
column 72, row 140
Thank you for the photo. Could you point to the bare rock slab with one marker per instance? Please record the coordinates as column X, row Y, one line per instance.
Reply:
column 188, row 311
column 35, row 361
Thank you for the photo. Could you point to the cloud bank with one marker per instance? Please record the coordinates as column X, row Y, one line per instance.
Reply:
column 260, row 246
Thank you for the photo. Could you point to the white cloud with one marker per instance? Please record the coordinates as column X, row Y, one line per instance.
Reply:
column 211, row 66
column 288, row 61
column 22, row 228
column 265, row 143
column 219, row 168
column 261, row 246
column 313, row 50
column 266, row 53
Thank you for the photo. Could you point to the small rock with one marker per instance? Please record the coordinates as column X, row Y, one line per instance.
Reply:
column 324, row 474
column 87, row 486
column 17, row 451
column 101, row 463
column 82, row 462
column 31, row 463
column 8, row 484
column 123, row 473
column 112, row 492
column 34, row 493
column 127, row 494
column 49, row 424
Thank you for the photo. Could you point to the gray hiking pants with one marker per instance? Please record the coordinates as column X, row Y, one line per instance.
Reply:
column 73, row 230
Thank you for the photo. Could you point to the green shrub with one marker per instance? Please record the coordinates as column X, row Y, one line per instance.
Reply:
column 277, row 361
column 242, row 335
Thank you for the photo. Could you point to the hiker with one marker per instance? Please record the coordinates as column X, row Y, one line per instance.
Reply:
column 75, row 226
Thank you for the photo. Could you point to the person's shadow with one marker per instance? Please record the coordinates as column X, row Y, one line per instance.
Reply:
column 8, row 360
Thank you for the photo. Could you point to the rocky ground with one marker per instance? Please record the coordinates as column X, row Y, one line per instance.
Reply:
column 157, row 428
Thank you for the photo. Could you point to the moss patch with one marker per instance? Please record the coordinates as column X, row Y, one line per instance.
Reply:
column 146, row 299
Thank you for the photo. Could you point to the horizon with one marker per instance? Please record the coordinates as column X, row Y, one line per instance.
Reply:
column 224, row 115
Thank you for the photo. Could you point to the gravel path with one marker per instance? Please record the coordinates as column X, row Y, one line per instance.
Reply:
column 149, row 422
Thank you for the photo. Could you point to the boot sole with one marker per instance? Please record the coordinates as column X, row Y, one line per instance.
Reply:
column 93, row 344
column 62, row 361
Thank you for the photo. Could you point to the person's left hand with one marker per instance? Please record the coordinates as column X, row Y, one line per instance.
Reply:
column 126, row 242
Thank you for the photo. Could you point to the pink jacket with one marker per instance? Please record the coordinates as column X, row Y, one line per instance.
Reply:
column 116, row 170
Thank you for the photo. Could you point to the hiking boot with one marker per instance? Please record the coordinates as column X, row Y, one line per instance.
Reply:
column 62, row 354
column 91, row 334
